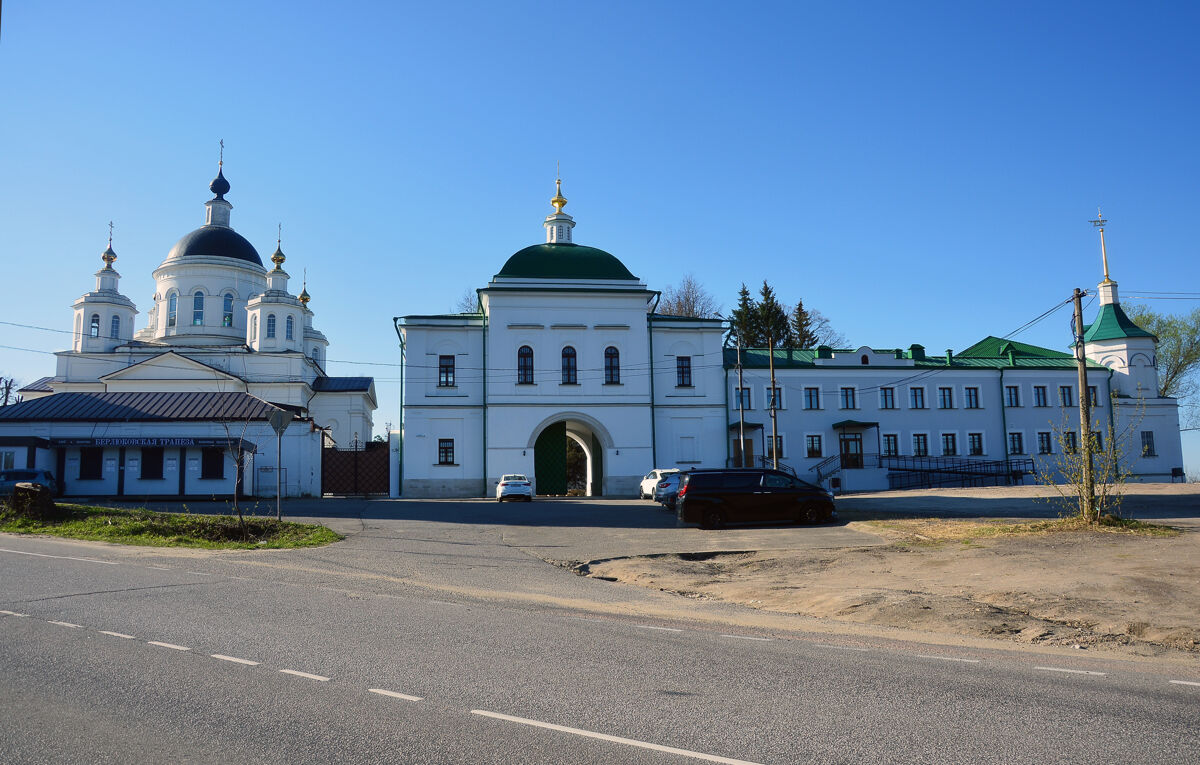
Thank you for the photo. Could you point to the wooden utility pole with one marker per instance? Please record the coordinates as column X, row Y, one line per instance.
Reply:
column 741, row 409
column 774, row 392
column 1085, row 414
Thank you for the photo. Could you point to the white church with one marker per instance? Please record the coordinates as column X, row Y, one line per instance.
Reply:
column 181, row 407
column 566, row 344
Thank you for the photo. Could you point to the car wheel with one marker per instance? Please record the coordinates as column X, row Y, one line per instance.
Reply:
column 529, row 499
column 807, row 513
column 712, row 519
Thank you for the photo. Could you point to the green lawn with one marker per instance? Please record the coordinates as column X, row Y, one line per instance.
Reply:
column 151, row 529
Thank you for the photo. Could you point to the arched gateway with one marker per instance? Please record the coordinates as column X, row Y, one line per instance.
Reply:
column 568, row 454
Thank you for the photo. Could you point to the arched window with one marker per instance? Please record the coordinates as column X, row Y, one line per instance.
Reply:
column 525, row 365
column 570, row 373
column 198, row 309
column 227, row 310
column 612, row 366
column 254, row 327
column 172, row 308
column 290, row 330
column 270, row 325
column 94, row 327
column 866, row 360
column 78, row 326
column 114, row 329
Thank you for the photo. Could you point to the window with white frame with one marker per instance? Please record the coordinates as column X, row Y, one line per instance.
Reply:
column 1012, row 395
column 812, row 398
column 612, row 366
column 172, row 308
column 270, row 325
column 920, row 445
column 227, row 310
column 289, row 328
column 94, row 326
column 949, row 444
column 1148, row 444
column 945, row 397
column 683, row 371
column 975, row 444
column 1066, row 396
column 774, row 397
column 114, row 328
column 847, row 398
column 446, row 371
column 1044, row 442
column 891, row 444
column 445, row 451
column 198, row 309
column 524, row 365
column 742, row 398
column 1039, row 396
column 570, row 368
column 1016, row 443
column 812, row 446
column 775, row 447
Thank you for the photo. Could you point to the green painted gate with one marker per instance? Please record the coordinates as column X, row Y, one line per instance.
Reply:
column 550, row 460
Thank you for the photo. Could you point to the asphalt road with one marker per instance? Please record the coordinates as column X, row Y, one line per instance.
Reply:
column 427, row 637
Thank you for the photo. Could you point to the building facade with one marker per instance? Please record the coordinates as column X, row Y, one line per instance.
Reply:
column 566, row 344
column 226, row 343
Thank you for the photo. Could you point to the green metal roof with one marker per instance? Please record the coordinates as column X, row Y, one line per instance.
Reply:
column 997, row 346
column 803, row 358
column 1112, row 324
column 564, row 261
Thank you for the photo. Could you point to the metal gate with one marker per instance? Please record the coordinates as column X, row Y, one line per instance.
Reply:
column 355, row 471
column 550, row 461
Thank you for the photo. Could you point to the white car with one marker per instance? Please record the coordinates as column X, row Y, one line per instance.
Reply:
column 514, row 486
column 650, row 482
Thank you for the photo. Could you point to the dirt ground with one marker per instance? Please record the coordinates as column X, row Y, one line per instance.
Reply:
column 1132, row 593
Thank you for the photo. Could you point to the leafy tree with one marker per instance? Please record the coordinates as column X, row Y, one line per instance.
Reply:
column 1178, row 353
column 688, row 299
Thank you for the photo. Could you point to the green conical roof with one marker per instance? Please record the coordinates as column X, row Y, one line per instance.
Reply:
column 1112, row 324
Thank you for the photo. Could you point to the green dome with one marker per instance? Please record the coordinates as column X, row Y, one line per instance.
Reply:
column 564, row 261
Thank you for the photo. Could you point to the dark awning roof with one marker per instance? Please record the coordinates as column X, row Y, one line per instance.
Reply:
column 342, row 384
column 138, row 407
column 855, row 424
column 749, row 425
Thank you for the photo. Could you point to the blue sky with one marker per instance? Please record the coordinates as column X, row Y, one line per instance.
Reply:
column 919, row 172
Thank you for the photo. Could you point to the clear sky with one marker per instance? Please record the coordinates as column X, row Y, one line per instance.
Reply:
column 919, row 172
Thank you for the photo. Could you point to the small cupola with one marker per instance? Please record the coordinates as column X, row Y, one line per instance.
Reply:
column 559, row 224
column 218, row 207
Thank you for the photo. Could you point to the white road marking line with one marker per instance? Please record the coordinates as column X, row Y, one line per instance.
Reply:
column 160, row 568
column 197, row 573
column 1072, row 671
column 948, row 658
column 651, row 627
column 236, row 660
column 749, row 637
column 1184, row 682
column 394, row 695
column 67, row 624
column 613, row 739
column 13, row 613
column 60, row 557
column 446, row 603
column 841, row 647
column 303, row 674
column 117, row 634
column 168, row 645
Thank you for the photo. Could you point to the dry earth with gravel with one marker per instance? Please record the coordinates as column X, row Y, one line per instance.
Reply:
column 995, row 578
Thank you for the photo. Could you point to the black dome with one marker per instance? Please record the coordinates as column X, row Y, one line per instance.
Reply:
column 215, row 241
column 219, row 185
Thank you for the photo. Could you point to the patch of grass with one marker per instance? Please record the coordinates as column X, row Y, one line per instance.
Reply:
column 925, row 532
column 151, row 529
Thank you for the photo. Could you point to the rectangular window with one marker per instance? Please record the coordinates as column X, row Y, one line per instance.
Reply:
column 920, row 445
column 891, row 444
column 743, row 398
column 1092, row 395
column 972, row 397
column 813, row 446
column 683, row 371
column 812, row 398
column 1012, row 395
column 152, row 463
column 1065, row 396
column 445, row 371
column 1039, row 396
column 445, row 451
column 975, row 444
column 91, row 463
column 1070, row 442
column 887, row 398
column 847, row 399
column 945, row 398
column 1148, row 444
column 7, row 460
column 949, row 444
column 916, row 398
column 212, row 462
column 774, row 398
column 1016, row 443
column 777, row 451
column 1098, row 440
column 1044, row 442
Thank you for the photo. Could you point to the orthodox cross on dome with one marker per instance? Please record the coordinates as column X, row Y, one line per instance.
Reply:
column 278, row 257
column 304, row 296
column 1099, row 223
column 221, row 157
column 558, row 224
column 109, row 256
column 559, row 201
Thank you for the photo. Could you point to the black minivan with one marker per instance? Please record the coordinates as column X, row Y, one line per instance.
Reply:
column 713, row 498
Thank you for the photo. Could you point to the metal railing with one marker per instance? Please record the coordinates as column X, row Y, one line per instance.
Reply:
column 762, row 462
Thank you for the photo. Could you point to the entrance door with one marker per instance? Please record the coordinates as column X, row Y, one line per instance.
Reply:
column 746, row 452
column 851, row 450
column 550, row 461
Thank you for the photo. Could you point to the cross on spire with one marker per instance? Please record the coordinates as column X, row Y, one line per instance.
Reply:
column 110, row 229
column 221, row 159
column 1099, row 223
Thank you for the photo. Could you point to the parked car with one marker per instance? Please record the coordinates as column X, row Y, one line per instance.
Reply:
column 713, row 498
column 10, row 478
column 666, row 490
column 650, row 482
column 514, row 486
